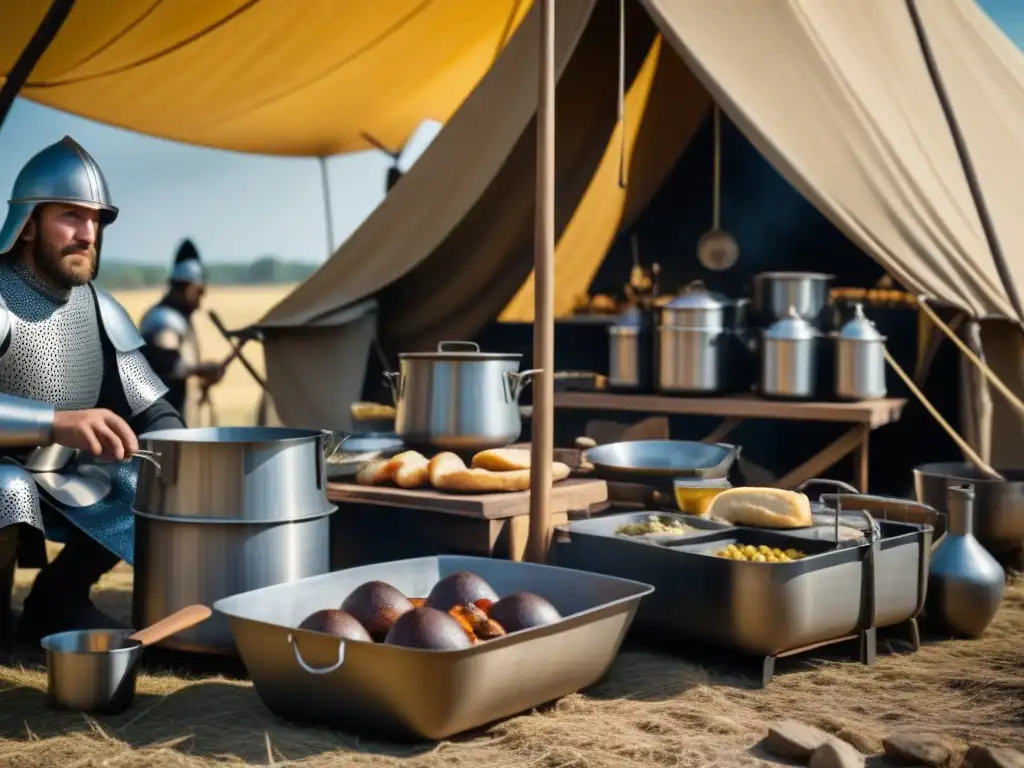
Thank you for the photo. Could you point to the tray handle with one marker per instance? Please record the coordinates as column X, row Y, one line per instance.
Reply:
column 317, row 670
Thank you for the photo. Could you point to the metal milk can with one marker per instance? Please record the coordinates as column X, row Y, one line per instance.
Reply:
column 860, row 359
column 965, row 583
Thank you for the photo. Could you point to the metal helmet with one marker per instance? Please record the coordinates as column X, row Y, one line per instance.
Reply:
column 188, row 268
column 62, row 173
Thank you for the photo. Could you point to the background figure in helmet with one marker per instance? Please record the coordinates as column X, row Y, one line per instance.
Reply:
column 171, row 347
column 75, row 390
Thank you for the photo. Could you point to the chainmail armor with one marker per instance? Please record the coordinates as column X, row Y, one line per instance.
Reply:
column 19, row 499
column 55, row 354
column 142, row 387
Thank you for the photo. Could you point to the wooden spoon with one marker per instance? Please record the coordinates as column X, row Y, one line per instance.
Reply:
column 187, row 617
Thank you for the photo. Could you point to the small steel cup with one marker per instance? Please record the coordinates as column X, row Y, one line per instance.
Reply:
column 92, row 671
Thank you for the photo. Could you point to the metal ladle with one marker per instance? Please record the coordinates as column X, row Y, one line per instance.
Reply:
column 717, row 249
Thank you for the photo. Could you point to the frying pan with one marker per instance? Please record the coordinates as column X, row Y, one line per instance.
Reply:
column 658, row 462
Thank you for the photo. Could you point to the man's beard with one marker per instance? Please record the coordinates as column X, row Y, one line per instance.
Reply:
column 63, row 273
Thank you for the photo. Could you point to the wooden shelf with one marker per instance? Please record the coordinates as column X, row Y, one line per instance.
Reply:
column 873, row 413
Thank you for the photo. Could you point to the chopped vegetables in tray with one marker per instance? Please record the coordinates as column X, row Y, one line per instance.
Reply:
column 760, row 554
column 653, row 524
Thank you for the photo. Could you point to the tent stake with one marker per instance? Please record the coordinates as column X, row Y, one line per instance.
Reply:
column 325, row 183
column 33, row 51
column 542, row 444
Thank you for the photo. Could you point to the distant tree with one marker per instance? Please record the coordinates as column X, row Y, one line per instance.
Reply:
column 263, row 270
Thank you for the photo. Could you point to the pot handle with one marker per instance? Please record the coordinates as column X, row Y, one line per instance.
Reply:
column 518, row 381
column 151, row 457
column 317, row 670
column 393, row 381
column 455, row 346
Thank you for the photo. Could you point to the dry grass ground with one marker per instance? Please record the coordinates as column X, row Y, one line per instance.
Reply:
column 651, row 710
column 236, row 398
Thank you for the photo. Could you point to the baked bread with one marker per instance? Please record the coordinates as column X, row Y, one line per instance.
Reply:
column 409, row 469
column 502, row 459
column 369, row 411
column 376, row 472
column 762, row 508
column 449, row 473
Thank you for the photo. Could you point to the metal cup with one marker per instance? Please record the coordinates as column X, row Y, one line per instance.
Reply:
column 92, row 671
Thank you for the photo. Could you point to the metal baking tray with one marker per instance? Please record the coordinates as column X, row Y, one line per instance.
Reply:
column 595, row 531
column 764, row 609
column 403, row 693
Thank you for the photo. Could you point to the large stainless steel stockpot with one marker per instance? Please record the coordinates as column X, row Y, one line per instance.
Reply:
column 789, row 358
column 229, row 510
column 458, row 398
column 860, row 359
column 776, row 292
column 256, row 474
column 179, row 563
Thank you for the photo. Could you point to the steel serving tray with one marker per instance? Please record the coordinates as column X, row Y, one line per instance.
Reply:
column 760, row 608
column 404, row 693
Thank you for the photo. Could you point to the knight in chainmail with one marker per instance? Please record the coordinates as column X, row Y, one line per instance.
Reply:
column 172, row 347
column 67, row 349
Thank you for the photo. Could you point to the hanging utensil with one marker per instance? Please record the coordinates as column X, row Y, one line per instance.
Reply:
column 717, row 249
column 622, row 94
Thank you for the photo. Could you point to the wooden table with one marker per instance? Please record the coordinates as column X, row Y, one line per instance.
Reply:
column 864, row 417
column 372, row 520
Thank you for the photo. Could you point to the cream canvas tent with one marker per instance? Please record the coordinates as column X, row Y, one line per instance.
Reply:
column 842, row 100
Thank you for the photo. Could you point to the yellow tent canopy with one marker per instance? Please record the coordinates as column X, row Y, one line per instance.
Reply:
column 264, row 76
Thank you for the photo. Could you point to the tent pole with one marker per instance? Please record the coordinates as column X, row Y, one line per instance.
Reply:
column 542, row 444
column 325, row 184
column 995, row 248
column 33, row 51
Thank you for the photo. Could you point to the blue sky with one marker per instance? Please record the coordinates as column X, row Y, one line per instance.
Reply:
column 238, row 207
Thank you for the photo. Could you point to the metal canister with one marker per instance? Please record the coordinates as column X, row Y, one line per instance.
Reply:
column 789, row 358
column 628, row 361
column 692, row 343
column 860, row 359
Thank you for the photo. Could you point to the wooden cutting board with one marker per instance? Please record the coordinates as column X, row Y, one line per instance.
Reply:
column 571, row 494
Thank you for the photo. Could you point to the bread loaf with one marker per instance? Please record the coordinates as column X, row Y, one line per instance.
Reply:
column 376, row 472
column 410, row 469
column 762, row 508
column 443, row 465
column 487, row 481
column 502, row 459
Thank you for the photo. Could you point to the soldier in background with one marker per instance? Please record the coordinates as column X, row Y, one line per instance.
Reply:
column 172, row 348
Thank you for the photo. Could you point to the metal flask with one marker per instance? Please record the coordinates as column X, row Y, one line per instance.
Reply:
column 860, row 359
column 965, row 583
column 789, row 358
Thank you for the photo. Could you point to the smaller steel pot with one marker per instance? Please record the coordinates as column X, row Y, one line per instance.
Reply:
column 629, row 354
column 789, row 358
column 95, row 670
column 805, row 292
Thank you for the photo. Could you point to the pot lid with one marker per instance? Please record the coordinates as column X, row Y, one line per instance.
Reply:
column 696, row 296
column 859, row 328
column 792, row 327
column 632, row 316
column 459, row 350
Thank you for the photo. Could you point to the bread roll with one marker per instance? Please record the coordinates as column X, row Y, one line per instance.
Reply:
column 762, row 508
column 443, row 465
column 410, row 469
column 376, row 472
column 488, row 481
column 502, row 459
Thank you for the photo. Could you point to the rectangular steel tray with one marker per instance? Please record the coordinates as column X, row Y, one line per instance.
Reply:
column 606, row 526
column 764, row 609
column 403, row 693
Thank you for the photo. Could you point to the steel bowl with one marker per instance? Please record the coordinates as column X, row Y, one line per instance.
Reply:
column 658, row 463
column 998, row 504
column 92, row 671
